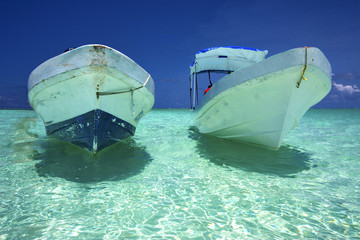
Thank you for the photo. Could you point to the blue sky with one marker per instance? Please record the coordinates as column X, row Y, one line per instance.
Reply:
column 163, row 37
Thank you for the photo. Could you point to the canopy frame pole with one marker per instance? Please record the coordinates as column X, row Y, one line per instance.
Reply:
column 209, row 78
column 194, row 87
column 197, row 91
column 191, row 83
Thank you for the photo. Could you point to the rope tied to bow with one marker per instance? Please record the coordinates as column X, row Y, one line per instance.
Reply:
column 120, row 92
column 303, row 70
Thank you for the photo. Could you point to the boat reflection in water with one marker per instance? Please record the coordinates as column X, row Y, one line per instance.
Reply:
column 117, row 162
column 286, row 162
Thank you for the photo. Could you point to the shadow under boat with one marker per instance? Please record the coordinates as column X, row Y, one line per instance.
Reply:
column 285, row 162
column 117, row 162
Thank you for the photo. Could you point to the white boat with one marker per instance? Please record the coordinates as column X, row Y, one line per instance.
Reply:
column 91, row 96
column 260, row 99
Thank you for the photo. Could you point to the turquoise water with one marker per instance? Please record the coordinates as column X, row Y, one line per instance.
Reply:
column 169, row 182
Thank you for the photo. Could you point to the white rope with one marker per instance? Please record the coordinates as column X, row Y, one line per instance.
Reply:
column 126, row 91
column 132, row 104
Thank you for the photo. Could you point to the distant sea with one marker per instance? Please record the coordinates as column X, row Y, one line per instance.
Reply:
column 170, row 182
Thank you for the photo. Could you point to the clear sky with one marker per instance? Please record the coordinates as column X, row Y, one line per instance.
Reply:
column 163, row 37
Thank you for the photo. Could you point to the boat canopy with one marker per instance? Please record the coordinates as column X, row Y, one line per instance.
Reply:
column 226, row 59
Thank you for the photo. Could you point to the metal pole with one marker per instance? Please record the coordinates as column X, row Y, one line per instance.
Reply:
column 209, row 78
column 194, row 87
column 191, row 83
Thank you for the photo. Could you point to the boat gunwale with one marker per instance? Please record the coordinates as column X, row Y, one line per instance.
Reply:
column 60, row 66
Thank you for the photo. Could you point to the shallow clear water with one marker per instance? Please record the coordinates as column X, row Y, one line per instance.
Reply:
column 169, row 182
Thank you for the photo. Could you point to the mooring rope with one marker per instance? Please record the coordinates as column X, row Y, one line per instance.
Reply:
column 132, row 104
column 303, row 70
column 126, row 91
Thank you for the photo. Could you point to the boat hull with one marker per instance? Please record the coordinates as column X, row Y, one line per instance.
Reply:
column 94, row 104
column 260, row 104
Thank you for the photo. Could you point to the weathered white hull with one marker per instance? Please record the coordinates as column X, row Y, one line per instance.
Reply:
column 91, row 96
column 261, row 103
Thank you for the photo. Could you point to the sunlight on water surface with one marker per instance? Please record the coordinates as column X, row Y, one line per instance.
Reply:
column 171, row 182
